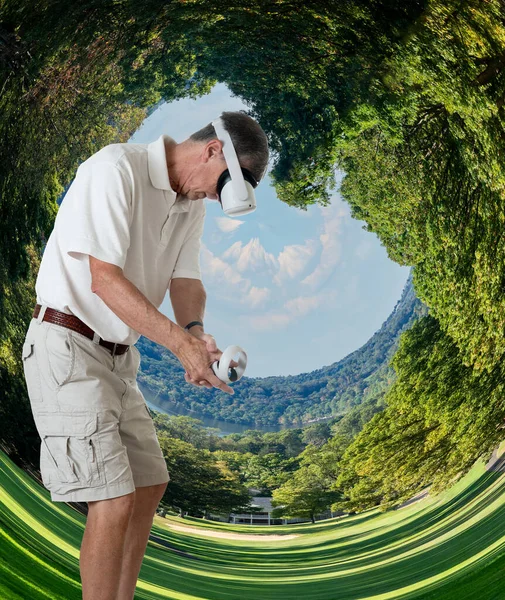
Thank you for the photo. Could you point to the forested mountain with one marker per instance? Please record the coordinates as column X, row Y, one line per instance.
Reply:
column 295, row 399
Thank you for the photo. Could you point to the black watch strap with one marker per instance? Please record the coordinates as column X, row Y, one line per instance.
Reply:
column 189, row 325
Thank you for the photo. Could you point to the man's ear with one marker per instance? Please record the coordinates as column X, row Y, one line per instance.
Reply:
column 213, row 149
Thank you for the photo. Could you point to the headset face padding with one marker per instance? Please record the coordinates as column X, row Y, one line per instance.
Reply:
column 225, row 177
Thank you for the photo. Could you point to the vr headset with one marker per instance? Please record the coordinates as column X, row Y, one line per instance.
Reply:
column 235, row 186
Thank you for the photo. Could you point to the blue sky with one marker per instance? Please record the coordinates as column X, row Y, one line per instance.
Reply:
column 297, row 290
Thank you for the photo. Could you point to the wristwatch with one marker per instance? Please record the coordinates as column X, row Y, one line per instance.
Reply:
column 189, row 325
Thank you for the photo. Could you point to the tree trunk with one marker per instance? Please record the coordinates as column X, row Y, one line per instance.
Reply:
column 495, row 65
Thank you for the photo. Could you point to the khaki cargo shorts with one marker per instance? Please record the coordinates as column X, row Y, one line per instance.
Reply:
column 98, row 439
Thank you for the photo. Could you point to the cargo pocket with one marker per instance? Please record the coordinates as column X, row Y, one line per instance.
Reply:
column 31, row 370
column 60, row 355
column 70, row 456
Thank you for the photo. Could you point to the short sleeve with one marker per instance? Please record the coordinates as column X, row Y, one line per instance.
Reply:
column 188, row 260
column 95, row 214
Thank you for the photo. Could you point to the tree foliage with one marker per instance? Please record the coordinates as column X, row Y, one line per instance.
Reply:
column 440, row 418
column 198, row 483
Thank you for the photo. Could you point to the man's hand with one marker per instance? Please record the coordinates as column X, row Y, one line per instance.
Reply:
column 188, row 301
column 214, row 353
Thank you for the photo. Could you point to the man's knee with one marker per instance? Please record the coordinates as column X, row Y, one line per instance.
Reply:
column 160, row 489
column 153, row 492
column 148, row 497
column 112, row 510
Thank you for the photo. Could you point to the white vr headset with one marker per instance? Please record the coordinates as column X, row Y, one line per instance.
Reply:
column 235, row 186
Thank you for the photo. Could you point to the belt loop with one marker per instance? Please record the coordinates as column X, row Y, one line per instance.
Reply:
column 41, row 314
column 114, row 349
column 96, row 337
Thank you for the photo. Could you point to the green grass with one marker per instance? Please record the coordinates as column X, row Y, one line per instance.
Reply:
column 448, row 547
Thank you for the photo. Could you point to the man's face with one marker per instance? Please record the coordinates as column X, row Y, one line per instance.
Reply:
column 207, row 166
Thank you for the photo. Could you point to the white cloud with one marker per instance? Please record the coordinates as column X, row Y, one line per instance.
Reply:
column 298, row 307
column 334, row 216
column 227, row 273
column 293, row 260
column 256, row 297
column 269, row 322
column 292, row 310
column 221, row 272
column 229, row 282
column 227, row 225
column 251, row 257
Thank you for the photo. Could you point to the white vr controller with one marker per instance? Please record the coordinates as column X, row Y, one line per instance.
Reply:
column 222, row 368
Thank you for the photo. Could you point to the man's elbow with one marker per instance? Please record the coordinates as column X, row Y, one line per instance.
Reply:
column 102, row 273
column 181, row 284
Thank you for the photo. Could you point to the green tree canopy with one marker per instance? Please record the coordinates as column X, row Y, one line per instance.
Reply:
column 198, row 484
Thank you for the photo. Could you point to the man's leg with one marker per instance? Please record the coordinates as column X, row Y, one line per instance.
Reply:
column 146, row 501
column 102, row 546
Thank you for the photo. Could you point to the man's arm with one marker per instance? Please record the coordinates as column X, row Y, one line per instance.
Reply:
column 132, row 307
column 188, row 298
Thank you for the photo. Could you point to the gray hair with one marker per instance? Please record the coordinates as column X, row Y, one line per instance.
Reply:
column 249, row 140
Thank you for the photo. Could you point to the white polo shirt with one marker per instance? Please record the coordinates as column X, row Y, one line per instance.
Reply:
column 121, row 209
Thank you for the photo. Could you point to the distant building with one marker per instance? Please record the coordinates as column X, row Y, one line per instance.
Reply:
column 264, row 515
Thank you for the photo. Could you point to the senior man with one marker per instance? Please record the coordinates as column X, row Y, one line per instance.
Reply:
column 128, row 229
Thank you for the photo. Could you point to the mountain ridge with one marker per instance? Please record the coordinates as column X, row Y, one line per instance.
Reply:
column 329, row 391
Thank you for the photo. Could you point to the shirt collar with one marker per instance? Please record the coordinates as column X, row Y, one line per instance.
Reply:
column 158, row 172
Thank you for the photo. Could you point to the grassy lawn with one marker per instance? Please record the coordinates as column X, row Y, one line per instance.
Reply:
column 448, row 547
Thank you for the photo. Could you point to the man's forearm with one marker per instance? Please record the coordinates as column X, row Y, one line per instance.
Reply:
column 188, row 301
column 134, row 309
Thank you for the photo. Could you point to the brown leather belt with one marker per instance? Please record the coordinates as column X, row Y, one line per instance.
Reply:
column 72, row 322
